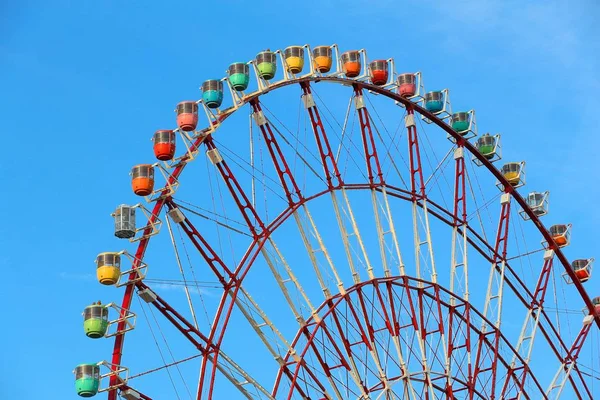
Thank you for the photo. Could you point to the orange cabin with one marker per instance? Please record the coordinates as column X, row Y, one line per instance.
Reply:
column 322, row 59
column 351, row 63
column 407, row 85
column 560, row 234
column 378, row 70
column 164, row 144
column 142, row 179
column 582, row 269
column 187, row 115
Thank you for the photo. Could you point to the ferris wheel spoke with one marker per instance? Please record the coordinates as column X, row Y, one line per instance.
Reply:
column 249, row 214
column 226, row 366
column 459, row 276
column 569, row 364
column 374, row 170
column 346, row 237
column 517, row 375
column 493, row 303
column 418, row 194
column 420, row 332
column 216, row 264
column 371, row 156
column 393, row 250
column 292, row 191
column 328, row 161
column 396, row 328
column 291, row 278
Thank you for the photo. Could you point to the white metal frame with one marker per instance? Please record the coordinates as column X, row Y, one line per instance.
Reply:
column 470, row 132
column 158, row 193
column 140, row 270
column 119, row 371
column 543, row 205
column 156, row 225
column 520, row 176
column 445, row 113
column 569, row 281
column 497, row 151
column 567, row 236
column 128, row 317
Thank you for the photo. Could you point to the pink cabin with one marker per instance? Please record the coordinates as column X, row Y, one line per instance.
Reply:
column 407, row 85
column 187, row 115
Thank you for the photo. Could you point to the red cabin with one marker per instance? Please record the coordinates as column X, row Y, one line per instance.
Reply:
column 164, row 144
column 187, row 115
column 142, row 179
column 596, row 301
column 407, row 85
column 582, row 269
column 378, row 70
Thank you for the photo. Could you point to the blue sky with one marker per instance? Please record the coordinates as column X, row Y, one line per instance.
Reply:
column 85, row 84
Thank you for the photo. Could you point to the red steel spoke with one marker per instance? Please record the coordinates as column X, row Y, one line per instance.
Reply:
column 250, row 215
column 281, row 165
column 329, row 163
column 371, row 157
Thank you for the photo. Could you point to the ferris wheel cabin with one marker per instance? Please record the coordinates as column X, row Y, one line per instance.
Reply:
column 486, row 145
column 212, row 93
column 239, row 76
column 164, row 144
column 108, row 268
column 351, row 63
column 378, row 71
column 596, row 302
column 124, row 217
column 434, row 101
column 294, row 58
column 461, row 122
column 561, row 234
column 322, row 58
column 537, row 202
column 407, row 84
column 142, row 179
column 582, row 269
column 513, row 172
column 95, row 320
column 87, row 379
column 187, row 115
column 266, row 64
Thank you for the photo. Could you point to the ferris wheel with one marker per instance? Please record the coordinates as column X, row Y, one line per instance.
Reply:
column 339, row 232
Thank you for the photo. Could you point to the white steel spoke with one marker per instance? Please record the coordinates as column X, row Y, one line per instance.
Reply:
column 384, row 248
column 185, row 287
column 312, row 252
column 346, row 236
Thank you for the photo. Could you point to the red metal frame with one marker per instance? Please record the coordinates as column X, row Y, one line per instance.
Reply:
column 519, row 372
column 357, row 314
column 328, row 160
column 331, row 172
column 281, row 165
column 417, row 184
column 371, row 156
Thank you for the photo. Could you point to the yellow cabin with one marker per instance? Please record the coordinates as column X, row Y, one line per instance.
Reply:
column 108, row 268
column 514, row 173
column 294, row 58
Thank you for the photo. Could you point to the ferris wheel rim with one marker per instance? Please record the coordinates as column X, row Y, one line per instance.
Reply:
column 203, row 134
column 401, row 281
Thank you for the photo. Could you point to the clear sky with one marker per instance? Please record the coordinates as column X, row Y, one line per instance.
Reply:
column 85, row 84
